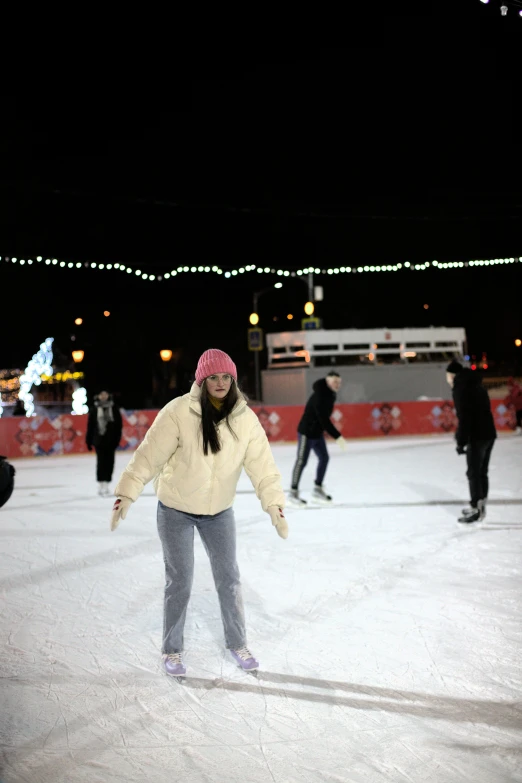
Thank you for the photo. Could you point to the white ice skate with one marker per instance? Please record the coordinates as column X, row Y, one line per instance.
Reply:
column 294, row 501
column 321, row 497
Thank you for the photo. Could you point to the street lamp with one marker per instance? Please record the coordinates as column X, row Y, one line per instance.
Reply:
column 309, row 308
column 254, row 320
column 78, row 356
column 518, row 342
column 166, row 355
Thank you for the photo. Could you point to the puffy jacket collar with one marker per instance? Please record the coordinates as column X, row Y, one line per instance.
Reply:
column 195, row 401
column 321, row 388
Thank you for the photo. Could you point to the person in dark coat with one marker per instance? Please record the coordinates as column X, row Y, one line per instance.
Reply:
column 314, row 422
column 7, row 474
column 104, row 434
column 475, row 434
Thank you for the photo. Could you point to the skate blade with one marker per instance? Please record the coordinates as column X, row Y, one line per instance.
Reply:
column 293, row 504
column 253, row 672
column 323, row 502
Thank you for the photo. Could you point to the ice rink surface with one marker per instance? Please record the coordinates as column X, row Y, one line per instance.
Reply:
column 390, row 637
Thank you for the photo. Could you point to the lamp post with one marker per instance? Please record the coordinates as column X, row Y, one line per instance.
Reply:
column 254, row 320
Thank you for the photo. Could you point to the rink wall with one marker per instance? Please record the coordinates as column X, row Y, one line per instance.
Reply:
column 65, row 434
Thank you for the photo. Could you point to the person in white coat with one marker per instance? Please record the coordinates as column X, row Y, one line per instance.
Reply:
column 195, row 452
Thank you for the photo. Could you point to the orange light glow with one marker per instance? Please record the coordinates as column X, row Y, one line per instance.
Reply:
column 78, row 321
column 106, row 313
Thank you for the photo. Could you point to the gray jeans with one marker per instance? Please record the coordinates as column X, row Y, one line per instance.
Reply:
column 218, row 533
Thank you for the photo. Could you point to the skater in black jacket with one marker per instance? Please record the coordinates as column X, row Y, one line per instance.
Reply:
column 475, row 434
column 314, row 422
column 7, row 474
column 104, row 434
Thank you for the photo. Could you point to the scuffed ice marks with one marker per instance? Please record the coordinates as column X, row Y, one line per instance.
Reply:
column 390, row 639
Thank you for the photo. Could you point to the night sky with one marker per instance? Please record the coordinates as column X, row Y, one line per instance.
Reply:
column 407, row 148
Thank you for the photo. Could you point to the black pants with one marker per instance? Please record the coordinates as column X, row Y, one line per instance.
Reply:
column 104, row 462
column 478, row 453
column 304, row 447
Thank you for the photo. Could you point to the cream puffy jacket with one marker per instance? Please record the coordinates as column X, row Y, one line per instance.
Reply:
column 186, row 479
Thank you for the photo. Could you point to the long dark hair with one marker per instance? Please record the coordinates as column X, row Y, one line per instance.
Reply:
column 210, row 417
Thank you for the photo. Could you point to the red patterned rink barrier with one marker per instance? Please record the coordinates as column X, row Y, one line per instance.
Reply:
column 40, row 436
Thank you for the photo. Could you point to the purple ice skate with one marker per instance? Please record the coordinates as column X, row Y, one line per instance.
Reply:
column 245, row 659
column 174, row 665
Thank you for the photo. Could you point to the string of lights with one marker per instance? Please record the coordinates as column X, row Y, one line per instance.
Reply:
column 406, row 266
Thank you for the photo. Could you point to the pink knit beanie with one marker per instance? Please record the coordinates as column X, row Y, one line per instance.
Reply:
column 213, row 361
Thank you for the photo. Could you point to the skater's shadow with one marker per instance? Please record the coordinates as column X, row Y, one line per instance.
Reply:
column 420, row 705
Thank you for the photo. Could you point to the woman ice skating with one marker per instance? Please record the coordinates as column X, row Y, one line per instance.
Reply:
column 104, row 434
column 195, row 451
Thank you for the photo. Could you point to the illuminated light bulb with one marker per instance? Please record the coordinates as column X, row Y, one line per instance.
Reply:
column 287, row 274
column 166, row 276
column 260, row 271
column 55, row 260
column 278, row 285
column 193, row 269
column 227, row 274
column 207, row 269
column 309, row 308
column 129, row 270
column 254, row 319
column 317, row 271
column 70, row 265
column 144, row 276
column 234, row 271
column 38, row 258
column 22, row 262
column 267, row 269
column 137, row 272
column 518, row 342
column 152, row 277
column 30, row 262
column 78, row 265
column 290, row 316
column 359, row 269
column 109, row 266
column 241, row 271
column 106, row 313
column 200, row 268
column 102, row 266
column 348, row 268
column 503, row 10
column 78, row 321
column 185, row 269
column 62, row 263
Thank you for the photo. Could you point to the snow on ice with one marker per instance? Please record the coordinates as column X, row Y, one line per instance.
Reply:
column 390, row 637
